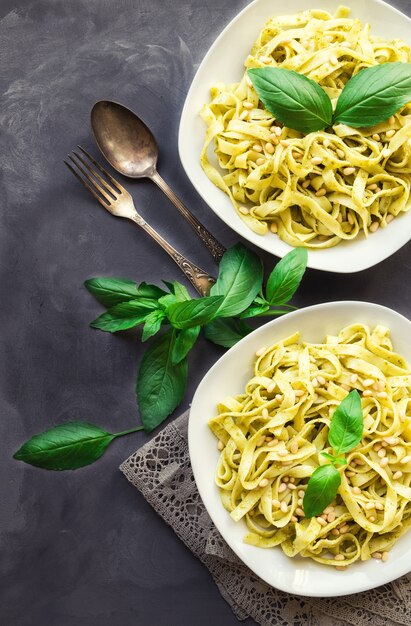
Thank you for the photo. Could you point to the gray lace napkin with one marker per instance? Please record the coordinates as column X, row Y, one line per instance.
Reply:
column 161, row 471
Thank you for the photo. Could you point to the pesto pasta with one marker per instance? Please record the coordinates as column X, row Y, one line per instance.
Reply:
column 318, row 189
column 271, row 438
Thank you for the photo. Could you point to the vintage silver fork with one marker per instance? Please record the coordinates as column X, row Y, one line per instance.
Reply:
column 119, row 203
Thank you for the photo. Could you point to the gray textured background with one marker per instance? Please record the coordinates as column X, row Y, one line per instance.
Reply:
column 84, row 548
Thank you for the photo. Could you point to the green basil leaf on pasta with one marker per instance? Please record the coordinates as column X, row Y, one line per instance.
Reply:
column 111, row 291
column 194, row 312
column 374, row 94
column 239, row 280
column 321, row 490
column 347, row 424
column 294, row 99
column 286, row 277
column 184, row 341
column 160, row 382
column 226, row 331
column 65, row 447
column 124, row 315
column 335, row 460
column 254, row 311
column 152, row 324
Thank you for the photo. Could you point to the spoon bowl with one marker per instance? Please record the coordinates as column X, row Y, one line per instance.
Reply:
column 126, row 142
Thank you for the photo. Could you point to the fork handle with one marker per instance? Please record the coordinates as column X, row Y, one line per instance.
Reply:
column 214, row 246
column 201, row 280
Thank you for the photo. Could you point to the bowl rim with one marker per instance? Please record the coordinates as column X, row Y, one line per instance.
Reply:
column 360, row 260
column 346, row 588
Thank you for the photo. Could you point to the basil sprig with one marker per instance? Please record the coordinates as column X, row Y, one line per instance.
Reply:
column 345, row 433
column 163, row 372
column 368, row 98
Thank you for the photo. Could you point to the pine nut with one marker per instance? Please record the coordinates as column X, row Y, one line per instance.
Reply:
column 272, row 443
column 369, row 506
column 284, row 507
column 333, row 60
column 379, row 506
column 260, row 161
column 391, row 120
column 382, row 452
column 326, row 143
column 248, row 105
column 294, row 447
column 353, row 378
column 285, row 142
column 384, row 556
column 356, row 490
column 376, row 555
column 321, row 380
column 405, row 460
column 292, row 479
column 257, row 148
column 261, row 351
column 350, row 219
column 335, row 532
column 331, row 517
column 367, row 393
column 243, row 210
column 299, row 392
column 340, row 153
column 286, row 479
column 321, row 521
column 279, row 397
column 316, row 160
column 306, row 183
column 321, row 192
column 376, row 137
column 265, row 60
column 389, row 218
column 269, row 148
column 384, row 462
column 368, row 382
column 390, row 133
column 339, row 557
column 392, row 441
column 273, row 227
column 260, row 441
column 397, row 475
column 282, row 453
column 350, row 474
column 385, row 153
column 299, row 512
column 292, row 487
column 344, row 530
column 220, row 445
column 277, row 130
column 264, row 482
column 371, row 519
column 264, row 413
column 341, row 568
column 314, row 382
column 382, row 394
column 347, row 171
column 294, row 519
column 276, row 504
column 301, row 493
column 271, row 387
column 282, row 487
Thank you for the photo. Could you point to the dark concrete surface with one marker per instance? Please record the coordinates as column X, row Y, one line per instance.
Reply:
column 84, row 548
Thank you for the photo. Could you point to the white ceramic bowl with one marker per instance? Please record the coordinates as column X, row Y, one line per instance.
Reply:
column 227, row 377
column 224, row 63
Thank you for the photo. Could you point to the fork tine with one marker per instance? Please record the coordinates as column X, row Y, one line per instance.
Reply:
column 114, row 192
column 90, row 179
column 87, row 186
column 101, row 168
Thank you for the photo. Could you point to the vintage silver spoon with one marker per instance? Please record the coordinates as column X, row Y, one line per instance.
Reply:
column 130, row 147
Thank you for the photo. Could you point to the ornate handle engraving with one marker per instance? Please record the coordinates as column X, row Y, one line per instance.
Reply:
column 200, row 279
column 214, row 246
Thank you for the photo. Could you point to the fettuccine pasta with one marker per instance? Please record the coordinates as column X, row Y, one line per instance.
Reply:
column 318, row 189
column 271, row 437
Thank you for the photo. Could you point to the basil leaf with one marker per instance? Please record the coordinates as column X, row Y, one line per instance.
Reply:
column 194, row 312
column 152, row 324
column 321, row 489
column 160, row 383
column 335, row 460
column 111, row 291
column 67, row 446
column 294, row 99
column 124, row 315
column 226, row 331
column 167, row 300
column 185, row 340
column 180, row 292
column 254, row 310
column 239, row 280
column 285, row 278
column 374, row 94
column 347, row 424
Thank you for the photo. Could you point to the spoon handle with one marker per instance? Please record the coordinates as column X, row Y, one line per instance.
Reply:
column 201, row 280
column 214, row 246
